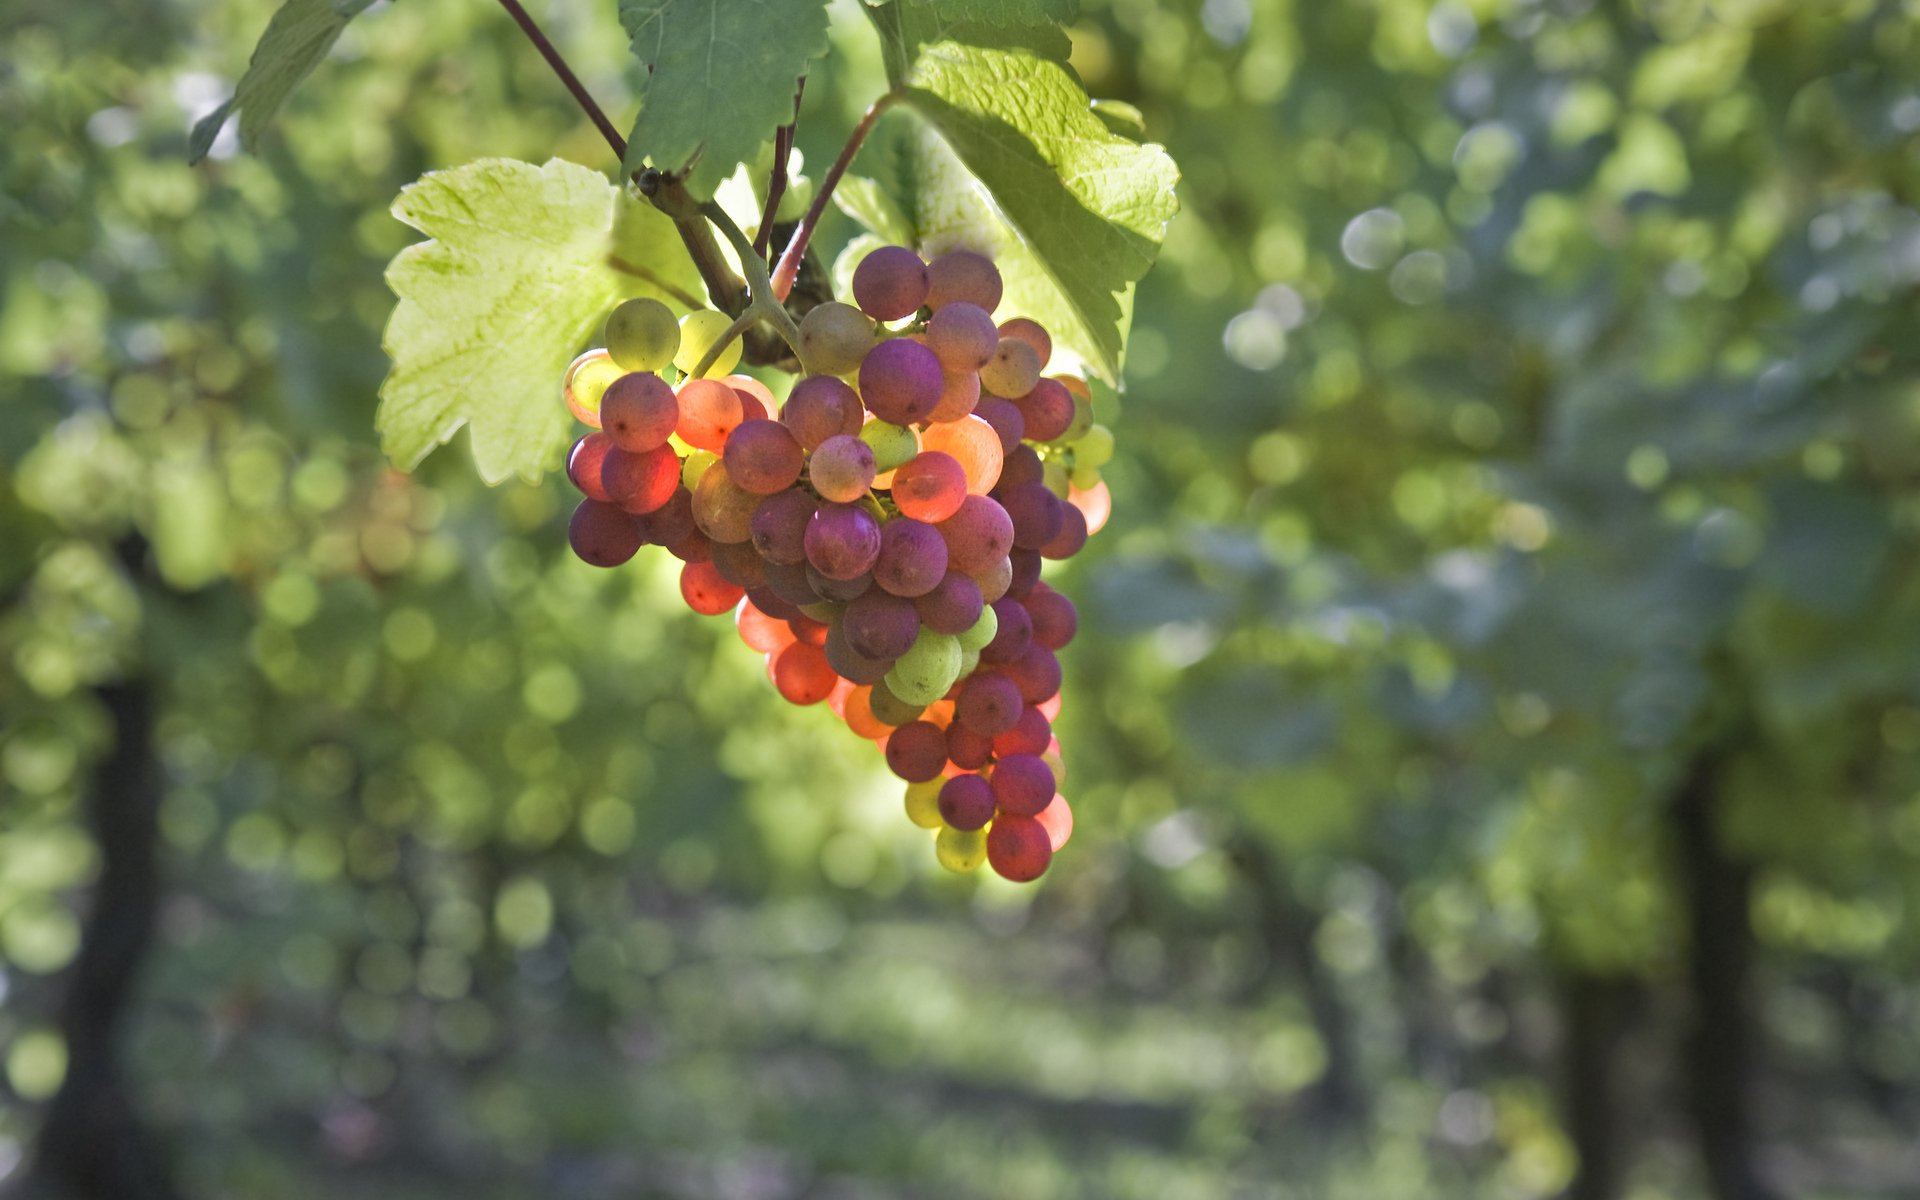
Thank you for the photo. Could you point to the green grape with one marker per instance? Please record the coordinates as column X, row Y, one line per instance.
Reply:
column 969, row 659
column 923, row 803
column 834, row 337
column 1095, row 449
column 1085, row 478
column 982, row 631
column 1082, row 420
column 696, row 465
column 1053, row 473
column 928, row 668
column 960, row 850
column 893, row 445
column 642, row 335
column 826, row 612
column 588, row 378
column 698, row 332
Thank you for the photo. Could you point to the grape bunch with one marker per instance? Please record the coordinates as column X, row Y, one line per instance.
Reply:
column 880, row 539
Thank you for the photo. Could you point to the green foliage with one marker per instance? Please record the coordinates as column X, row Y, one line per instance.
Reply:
column 297, row 38
column 519, row 272
column 720, row 77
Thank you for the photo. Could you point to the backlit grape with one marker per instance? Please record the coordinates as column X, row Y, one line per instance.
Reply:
column 601, row 534
column 586, row 383
column 1013, row 369
column 762, row 456
column 834, row 338
column 1019, row 848
column 890, row 283
column 699, row 331
column 965, row 276
column 842, row 468
column 642, row 335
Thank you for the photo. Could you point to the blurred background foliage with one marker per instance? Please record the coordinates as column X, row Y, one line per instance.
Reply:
column 1492, row 734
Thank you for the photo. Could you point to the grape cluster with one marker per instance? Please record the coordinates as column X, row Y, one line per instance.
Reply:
column 880, row 539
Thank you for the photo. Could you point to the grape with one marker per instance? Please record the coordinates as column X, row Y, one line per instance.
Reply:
column 994, row 579
column 1004, row 416
column 977, row 534
column 901, row 381
column 639, row 412
column 959, row 392
column 1057, row 819
column 800, row 673
column 1022, row 466
column 966, row 802
column 892, row 445
column 1031, row 332
column 709, row 411
column 930, row 485
column 759, row 630
column 917, row 751
column 1019, row 848
column 963, row 275
column 923, row 804
column 850, row 662
column 602, row 535
column 642, row 335
column 739, row 564
column 960, row 850
column 913, row 557
column 954, row 606
column 762, row 456
column 779, row 526
column 879, row 625
column 962, row 336
column 584, row 462
column 693, row 547
column 1029, row 734
column 1082, row 422
column 842, row 468
column 771, row 602
column 807, row 629
column 698, row 463
column 586, row 382
column 722, row 509
column 705, row 592
column 1037, row 673
column 890, row 283
column 1035, row 513
column 1022, row 784
column 834, row 337
column 698, row 333
column 1072, row 537
column 1014, row 636
column 1095, row 503
column 754, row 396
column 1026, row 572
column 988, row 704
column 890, row 708
column 972, row 443
column 1047, row 410
column 1013, row 369
column 788, row 584
column 982, row 632
column 1095, row 449
column 819, row 407
column 924, row 673
column 858, row 711
column 671, row 522
column 640, row 483
column 842, row 540
column 843, row 591
column 1055, row 619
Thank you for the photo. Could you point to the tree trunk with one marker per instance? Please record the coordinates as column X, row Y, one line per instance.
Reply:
column 1595, row 1010
column 92, row 1145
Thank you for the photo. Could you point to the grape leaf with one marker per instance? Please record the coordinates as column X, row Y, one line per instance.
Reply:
column 516, row 276
column 722, row 78
column 297, row 38
column 1085, row 208
column 863, row 200
column 1035, row 24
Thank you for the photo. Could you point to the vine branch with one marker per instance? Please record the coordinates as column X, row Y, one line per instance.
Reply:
column 777, row 182
column 567, row 77
column 763, row 304
column 789, row 265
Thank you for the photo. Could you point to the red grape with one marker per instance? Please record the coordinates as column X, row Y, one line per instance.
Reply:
column 1019, row 849
column 979, row 533
column 705, row 591
column 1022, row 784
column 930, row 486
column 584, row 462
column 890, row 283
column 762, row 456
column 963, row 275
column 602, row 535
column 639, row 411
column 963, row 336
column 966, row 802
column 779, row 526
column 842, row 468
column 801, row 674
column 988, row 704
column 640, row 483
column 1033, row 334
column 709, row 410
column 916, row 751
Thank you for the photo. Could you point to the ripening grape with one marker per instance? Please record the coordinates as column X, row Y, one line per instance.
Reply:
column 953, row 606
column 977, row 534
column 602, row 535
column 801, row 674
column 709, row 411
column 1022, row 784
column 962, row 335
column 966, row 802
column 1047, row 410
column 994, row 579
column 960, row 850
column 1036, row 672
column 892, row 445
column 890, row 708
column 699, row 331
column 853, row 665
column 1055, row 619
column 1004, row 416
column 586, row 382
column 842, row 468
column 1026, row 572
column 879, row 625
column 1055, row 477
column 1023, row 465
column 982, row 632
column 1029, row 735
column 1019, row 848
column 1095, row 503
column 959, row 392
column 1014, row 635
column 778, row 528
column 706, row 592
column 738, row 563
column 917, row 751
column 819, row 407
column 927, row 670
column 640, row 483
column 913, row 557
column 1035, row 513
column 901, row 381
column 1057, row 819
column 966, row 749
column 787, row 589
column 1013, row 369
column 806, row 628
column 838, row 591
column 963, row 275
column 1095, row 449
column 771, row 602
column 695, row 546
column 973, row 444
column 858, row 711
column 1082, row 422
column 671, row 522
column 584, row 462
column 842, row 540
column 923, row 803
column 1031, row 332
column 988, row 704
column 890, row 283
column 834, row 337
column 756, row 398
column 759, row 630
column 930, row 485
column 642, row 335
column 762, row 456
column 696, row 464
column 722, row 509
column 1072, row 537
column 639, row 412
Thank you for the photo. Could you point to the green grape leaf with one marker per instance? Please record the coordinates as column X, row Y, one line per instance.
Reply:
column 1074, row 212
column 722, row 78
column 864, row 200
column 522, row 265
column 1033, row 25
column 297, row 38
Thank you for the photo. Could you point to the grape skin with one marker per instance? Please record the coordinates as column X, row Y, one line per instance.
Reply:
column 642, row 335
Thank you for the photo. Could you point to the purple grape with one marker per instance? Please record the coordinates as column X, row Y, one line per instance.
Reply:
column 988, row 704
column 1036, row 673
column 671, row 522
column 819, row 407
column 772, row 603
column 953, row 606
column 1014, row 635
column 603, row 535
column 1047, row 410
column 780, row 526
column 900, row 381
column 789, row 582
column 913, row 557
column 762, row 456
column 890, row 283
column 1026, row 572
column 966, row 802
column 1035, row 513
column 839, row 590
column 879, row 625
column 739, row 564
column 849, row 663
column 1022, row 465
column 968, row 750
column 962, row 275
column 1005, row 418
column 1022, row 784
column 842, row 541
column 1055, row 619
column 1072, row 537
column 963, row 336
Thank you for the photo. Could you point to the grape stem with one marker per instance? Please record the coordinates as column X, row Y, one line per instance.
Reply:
column 763, row 305
column 789, row 265
column 567, row 77
column 777, row 181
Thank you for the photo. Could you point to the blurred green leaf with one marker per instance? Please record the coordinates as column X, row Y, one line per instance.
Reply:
column 297, row 38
